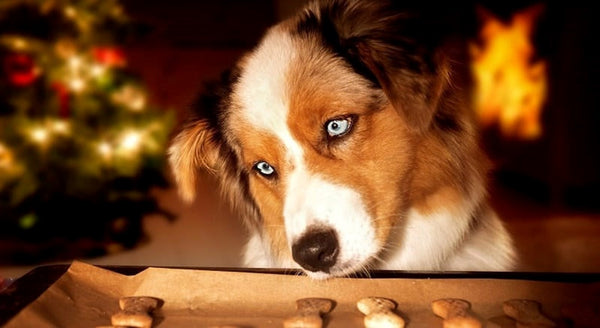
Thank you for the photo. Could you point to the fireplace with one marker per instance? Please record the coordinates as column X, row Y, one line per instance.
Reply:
column 551, row 155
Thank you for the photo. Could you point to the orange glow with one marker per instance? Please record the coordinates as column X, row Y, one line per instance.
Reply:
column 510, row 87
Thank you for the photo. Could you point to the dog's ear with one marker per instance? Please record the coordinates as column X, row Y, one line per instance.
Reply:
column 200, row 143
column 413, row 92
column 399, row 49
column 194, row 147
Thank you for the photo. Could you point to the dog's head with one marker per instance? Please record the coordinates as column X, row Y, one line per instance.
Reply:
column 314, row 134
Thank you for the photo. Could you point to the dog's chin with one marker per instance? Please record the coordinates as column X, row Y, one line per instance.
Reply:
column 336, row 271
column 318, row 275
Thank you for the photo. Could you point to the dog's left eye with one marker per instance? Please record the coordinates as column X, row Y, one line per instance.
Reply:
column 339, row 126
column 265, row 169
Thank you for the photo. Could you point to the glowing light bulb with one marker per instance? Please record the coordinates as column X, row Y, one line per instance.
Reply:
column 75, row 62
column 6, row 157
column 77, row 84
column 97, row 70
column 138, row 104
column 105, row 149
column 131, row 141
column 61, row 127
column 70, row 12
column 39, row 135
column 19, row 43
column 130, row 96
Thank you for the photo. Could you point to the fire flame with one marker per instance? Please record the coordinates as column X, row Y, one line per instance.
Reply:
column 510, row 88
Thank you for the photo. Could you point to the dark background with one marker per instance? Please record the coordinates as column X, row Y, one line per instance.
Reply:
column 546, row 190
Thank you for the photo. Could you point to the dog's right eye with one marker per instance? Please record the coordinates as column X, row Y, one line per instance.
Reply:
column 338, row 127
column 265, row 169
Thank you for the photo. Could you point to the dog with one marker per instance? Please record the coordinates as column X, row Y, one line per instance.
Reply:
column 346, row 142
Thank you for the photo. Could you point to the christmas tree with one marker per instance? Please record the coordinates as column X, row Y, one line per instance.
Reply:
column 80, row 146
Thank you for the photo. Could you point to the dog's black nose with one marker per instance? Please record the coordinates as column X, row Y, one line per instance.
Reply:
column 316, row 250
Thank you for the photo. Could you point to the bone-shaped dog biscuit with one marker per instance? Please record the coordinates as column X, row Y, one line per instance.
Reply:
column 379, row 313
column 131, row 319
column 527, row 313
column 308, row 313
column 455, row 312
column 135, row 311
column 139, row 303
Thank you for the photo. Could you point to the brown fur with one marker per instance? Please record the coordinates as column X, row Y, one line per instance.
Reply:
column 414, row 141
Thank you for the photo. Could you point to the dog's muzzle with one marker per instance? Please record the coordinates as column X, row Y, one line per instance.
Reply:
column 316, row 250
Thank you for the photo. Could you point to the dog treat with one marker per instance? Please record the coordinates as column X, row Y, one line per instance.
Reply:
column 131, row 319
column 527, row 313
column 308, row 313
column 455, row 312
column 379, row 313
column 145, row 304
column 136, row 311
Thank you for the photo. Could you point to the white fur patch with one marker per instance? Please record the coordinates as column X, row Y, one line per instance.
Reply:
column 489, row 248
column 426, row 241
column 262, row 89
column 256, row 254
column 321, row 203
column 446, row 240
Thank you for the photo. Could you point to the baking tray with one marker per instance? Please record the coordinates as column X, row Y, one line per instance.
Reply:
column 205, row 297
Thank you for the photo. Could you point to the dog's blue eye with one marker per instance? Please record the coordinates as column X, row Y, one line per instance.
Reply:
column 264, row 168
column 338, row 127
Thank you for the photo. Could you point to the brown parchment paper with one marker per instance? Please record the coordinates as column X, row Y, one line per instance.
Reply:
column 86, row 296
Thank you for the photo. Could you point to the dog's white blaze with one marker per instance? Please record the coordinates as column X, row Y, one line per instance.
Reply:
column 310, row 199
column 312, row 202
column 262, row 89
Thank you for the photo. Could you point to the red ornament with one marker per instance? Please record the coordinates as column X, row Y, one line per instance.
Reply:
column 109, row 56
column 20, row 69
column 63, row 99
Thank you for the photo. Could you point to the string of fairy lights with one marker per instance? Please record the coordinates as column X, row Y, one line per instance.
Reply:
column 81, row 72
column 91, row 116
